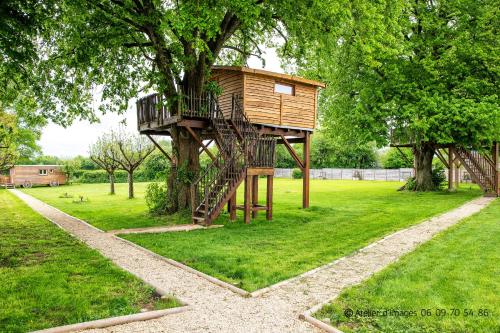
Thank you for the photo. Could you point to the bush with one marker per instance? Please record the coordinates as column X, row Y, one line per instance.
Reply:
column 438, row 180
column 438, row 177
column 297, row 174
column 156, row 198
column 101, row 176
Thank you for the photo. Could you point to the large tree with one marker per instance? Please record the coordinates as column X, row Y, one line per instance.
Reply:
column 417, row 72
column 122, row 47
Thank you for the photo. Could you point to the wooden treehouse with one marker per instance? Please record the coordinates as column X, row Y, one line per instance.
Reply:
column 256, row 110
column 482, row 166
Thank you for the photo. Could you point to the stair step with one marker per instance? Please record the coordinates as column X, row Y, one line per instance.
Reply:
column 198, row 219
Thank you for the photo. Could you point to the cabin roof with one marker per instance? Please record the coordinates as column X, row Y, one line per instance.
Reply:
column 293, row 78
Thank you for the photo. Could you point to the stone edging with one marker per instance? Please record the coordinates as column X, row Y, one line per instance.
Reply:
column 177, row 264
column 113, row 321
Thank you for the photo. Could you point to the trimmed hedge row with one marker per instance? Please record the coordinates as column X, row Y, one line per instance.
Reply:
column 101, row 176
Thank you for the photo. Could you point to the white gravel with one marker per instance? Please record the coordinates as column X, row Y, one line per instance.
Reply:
column 216, row 309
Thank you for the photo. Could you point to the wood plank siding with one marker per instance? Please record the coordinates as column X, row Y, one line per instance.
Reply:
column 20, row 174
column 262, row 105
column 231, row 83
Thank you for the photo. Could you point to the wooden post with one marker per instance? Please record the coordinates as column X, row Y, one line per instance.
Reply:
column 496, row 160
column 232, row 207
column 305, row 171
column 269, row 198
column 248, row 198
column 457, row 173
column 451, row 168
column 255, row 194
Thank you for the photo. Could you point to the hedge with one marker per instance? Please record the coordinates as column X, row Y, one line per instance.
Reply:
column 101, row 176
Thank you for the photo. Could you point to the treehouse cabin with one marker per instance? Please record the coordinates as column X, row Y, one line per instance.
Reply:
column 29, row 175
column 255, row 110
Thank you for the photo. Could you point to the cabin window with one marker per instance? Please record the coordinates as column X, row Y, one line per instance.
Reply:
column 284, row 88
column 42, row 172
column 51, row 171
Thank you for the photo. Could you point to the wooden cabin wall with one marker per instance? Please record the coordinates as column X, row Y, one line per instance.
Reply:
column 21, row 174
column 264, row 106
column 4, row 179
column 231, row 82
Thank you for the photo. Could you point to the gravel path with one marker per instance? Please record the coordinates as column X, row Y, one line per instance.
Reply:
column 216, row 309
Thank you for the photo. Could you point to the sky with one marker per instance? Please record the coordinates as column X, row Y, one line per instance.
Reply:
column 75, row 139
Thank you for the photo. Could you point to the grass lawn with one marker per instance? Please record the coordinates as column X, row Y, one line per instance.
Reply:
column 458, row 269
column 48, row 278
column 106, row 212
column 344, row 216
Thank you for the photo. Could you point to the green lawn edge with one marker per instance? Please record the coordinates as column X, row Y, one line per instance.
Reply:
column 49, row 278
column 450, row 283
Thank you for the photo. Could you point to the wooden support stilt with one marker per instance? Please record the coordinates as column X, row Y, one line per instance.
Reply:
column 232, row 207
column 248, row 199
column 451, row 168
column 255, row 194
column 496, row 162
column 305, row 171
column 269, row 198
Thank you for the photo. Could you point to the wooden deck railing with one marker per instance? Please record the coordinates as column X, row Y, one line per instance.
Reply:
column 154, row 111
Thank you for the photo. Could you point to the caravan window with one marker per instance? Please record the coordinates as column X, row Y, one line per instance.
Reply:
column 42, row 172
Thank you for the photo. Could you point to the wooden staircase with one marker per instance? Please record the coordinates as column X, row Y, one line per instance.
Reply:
column 240, row 146
column 481, row 168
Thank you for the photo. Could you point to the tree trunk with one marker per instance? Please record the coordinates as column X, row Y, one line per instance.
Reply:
column 111, row 183
column 187, row 168
column 130, row 179
column 423, row 167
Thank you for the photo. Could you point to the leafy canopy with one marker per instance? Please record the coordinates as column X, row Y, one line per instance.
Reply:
column 116, row 49
column 423, row 71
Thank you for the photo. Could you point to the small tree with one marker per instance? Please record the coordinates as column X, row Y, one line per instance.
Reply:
column 105, row 153
column 70, row 167
column 133, row 150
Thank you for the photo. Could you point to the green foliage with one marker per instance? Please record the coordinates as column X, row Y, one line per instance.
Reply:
column 327, row 151
column 392, row 159
column 457, row 269
column 283, row 157
column 70, row 167
column 156, row 198
column 423, row 71
column 17, row 138
column 101, row 176
column 156, row 166
column 65, row 60
column 296, row 173
column 438, row 177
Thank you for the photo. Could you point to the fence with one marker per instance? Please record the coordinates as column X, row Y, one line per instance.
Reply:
column 356, row 174
column 364, row 174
